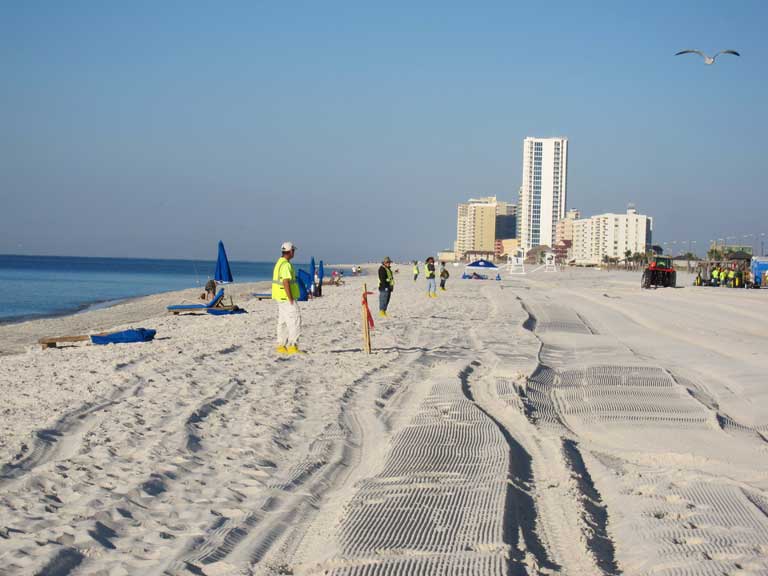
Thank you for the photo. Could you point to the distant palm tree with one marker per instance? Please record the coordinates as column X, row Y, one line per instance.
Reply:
column 714, row 254
column 627, row 258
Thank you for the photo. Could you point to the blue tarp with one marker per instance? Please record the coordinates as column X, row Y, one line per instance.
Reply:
column 126, row 336
column 223, row 273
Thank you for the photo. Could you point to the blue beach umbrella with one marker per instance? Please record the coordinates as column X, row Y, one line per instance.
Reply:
column 223, row 273
column 312, row 268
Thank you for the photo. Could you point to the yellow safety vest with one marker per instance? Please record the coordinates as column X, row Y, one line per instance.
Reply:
column 429, row 273
column 278, row 275
column 415, row 270
column 390, row 278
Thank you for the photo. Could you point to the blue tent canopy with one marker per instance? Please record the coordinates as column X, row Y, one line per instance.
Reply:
column 223, row 273
column 484, row 264
column 479, row 269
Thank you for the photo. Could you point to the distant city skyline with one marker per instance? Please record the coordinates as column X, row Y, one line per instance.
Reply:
column 354, row 129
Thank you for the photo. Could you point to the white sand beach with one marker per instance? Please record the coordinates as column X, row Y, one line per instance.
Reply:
column 554, row 423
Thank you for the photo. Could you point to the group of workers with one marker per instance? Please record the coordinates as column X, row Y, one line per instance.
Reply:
column 724, row 276
column 285, row 291
column 387, row 280
column 429, row 272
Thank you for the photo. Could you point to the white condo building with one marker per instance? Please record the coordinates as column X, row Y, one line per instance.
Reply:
column 611, row 235
column 544, row 190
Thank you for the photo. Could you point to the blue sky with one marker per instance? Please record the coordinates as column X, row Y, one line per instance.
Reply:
column 354, row 128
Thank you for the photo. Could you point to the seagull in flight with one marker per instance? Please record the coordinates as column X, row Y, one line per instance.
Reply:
column 708, row 59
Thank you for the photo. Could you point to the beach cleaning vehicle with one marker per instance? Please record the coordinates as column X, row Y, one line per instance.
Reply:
column 659, row 272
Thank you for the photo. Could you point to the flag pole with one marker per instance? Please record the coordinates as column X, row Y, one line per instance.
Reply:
column 367, row 321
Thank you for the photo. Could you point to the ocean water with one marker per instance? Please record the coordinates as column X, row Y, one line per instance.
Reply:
column 38, row 286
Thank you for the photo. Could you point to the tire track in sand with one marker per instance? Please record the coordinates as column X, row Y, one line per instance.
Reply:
column 679, row 517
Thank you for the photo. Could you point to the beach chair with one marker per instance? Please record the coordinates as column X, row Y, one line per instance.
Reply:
column 217, row 303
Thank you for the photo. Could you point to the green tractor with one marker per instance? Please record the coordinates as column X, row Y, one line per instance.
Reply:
column 659, row 273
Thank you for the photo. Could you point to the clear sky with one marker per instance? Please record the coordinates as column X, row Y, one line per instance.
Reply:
column 149, row 128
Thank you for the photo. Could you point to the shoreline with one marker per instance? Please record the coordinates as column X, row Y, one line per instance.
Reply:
column 19, row 336
column 53, row 286
column 81, row 309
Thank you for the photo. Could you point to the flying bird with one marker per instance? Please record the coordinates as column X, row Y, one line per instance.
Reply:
column 708, row 59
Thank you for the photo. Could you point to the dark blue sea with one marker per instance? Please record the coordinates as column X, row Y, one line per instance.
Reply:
column 38, row 286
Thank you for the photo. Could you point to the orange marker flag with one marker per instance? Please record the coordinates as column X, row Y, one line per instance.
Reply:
column 367, row 309
column 367, row 321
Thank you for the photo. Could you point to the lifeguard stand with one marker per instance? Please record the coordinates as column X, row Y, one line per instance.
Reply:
column 550, row 264
column 516, row 264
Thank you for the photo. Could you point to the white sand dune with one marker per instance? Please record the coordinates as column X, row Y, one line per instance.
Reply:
column 555, row 423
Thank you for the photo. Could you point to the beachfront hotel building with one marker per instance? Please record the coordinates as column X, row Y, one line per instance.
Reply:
column 611, row 235
column 544, row 191
column 476, row 226
column 564, row 227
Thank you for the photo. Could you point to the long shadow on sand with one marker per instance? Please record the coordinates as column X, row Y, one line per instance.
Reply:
column 387, row 349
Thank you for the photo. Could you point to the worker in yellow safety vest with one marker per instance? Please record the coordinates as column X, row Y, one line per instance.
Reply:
column 415, row 270
column 429, row 272
column 285, row 290
column 386, row 285
column 715, row 276
column 723, row 276
column 731, row 276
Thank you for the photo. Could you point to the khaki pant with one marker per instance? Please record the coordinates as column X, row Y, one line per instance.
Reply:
column 288, row 323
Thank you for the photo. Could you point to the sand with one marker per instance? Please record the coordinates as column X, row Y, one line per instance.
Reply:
column 553, row 423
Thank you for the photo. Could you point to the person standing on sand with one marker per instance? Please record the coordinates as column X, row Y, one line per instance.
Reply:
column 318, row 284
column 429, row 272
column 285, row 290
column 443, row 276
column 386, row 285
column 415, row 270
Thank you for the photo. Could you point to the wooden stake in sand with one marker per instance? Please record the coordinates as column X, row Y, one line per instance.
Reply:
column 367, row 321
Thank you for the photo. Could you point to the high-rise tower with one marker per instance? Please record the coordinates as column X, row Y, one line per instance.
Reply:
column 544, row 190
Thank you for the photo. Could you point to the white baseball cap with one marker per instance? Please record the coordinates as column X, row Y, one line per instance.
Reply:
column 288, row 246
